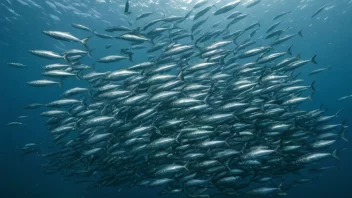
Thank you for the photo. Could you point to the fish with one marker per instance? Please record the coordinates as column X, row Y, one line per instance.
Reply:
column 253, row 3
column 200, row 4
column 118, row 29
column 254, row 52
column 44, row 83
column 228, row 7
column 81, row 27
column 282, row 14
column 234, row 15
column 127, row 7
column 134, row 38
column 273, row 56
column 104, row 36
column 236, row 20
column 66, row 36
column 344, row 98
column 275, row 33
column 198, row 24
column 17, row 65
column 34, row 106
column 58, row 74
column 273, row 26
column 314, row 72
column 201, row 109
column 144, row 15
column 47, row 54
column 202, row 12
column 113, row 58
column 108, row 46
column 15, row 124
column 286, row 37
column 318, row 11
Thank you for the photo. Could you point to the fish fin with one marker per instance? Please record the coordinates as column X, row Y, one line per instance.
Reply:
column 280, row 185
column 90, row 93
column 291, row 75
column 289, row 50
column 310, row 97
column 297, row 75
column 79, row 74
column 343, row 123
column 65, row 58
column 90, row 52
column 178, row 138
column 313, row 59
column 312, row 86
column 84, row 102
column 85, row 40
column 337, row 113
column 222, row 61
column 300, row 33
column 298, row 55
column 181, row 76
column 335, row 154
column 185, row 166
column 235, row 42
column 60, row 84
column 342, row 135
column 227, row 164
column 130, row 58
column 206, row 99
column 137, row 30
column 244, row 147
column 262, row 75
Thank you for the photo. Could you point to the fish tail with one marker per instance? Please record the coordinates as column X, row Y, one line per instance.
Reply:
column 312, row 86
column 79, row 74
column 342, row 135
column 289, row 50
column 90, row 93
column 65, row 58
column 206, row 99
column 298, row 56
column 337, row 113
column 310, row 97
column 181, row 76
column 60, row 84
column 178, row 138
column 130, row 58
column 85, row 40
column 300, row 33
column 343, row 124
column 335, row 154
column 280, row 185
column 313, row 59
column 84, row 102
column 90, row 52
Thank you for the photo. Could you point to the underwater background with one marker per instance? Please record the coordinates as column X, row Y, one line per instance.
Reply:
column 329, row 36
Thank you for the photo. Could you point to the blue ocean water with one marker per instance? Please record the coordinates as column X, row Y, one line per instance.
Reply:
column 22, row 21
